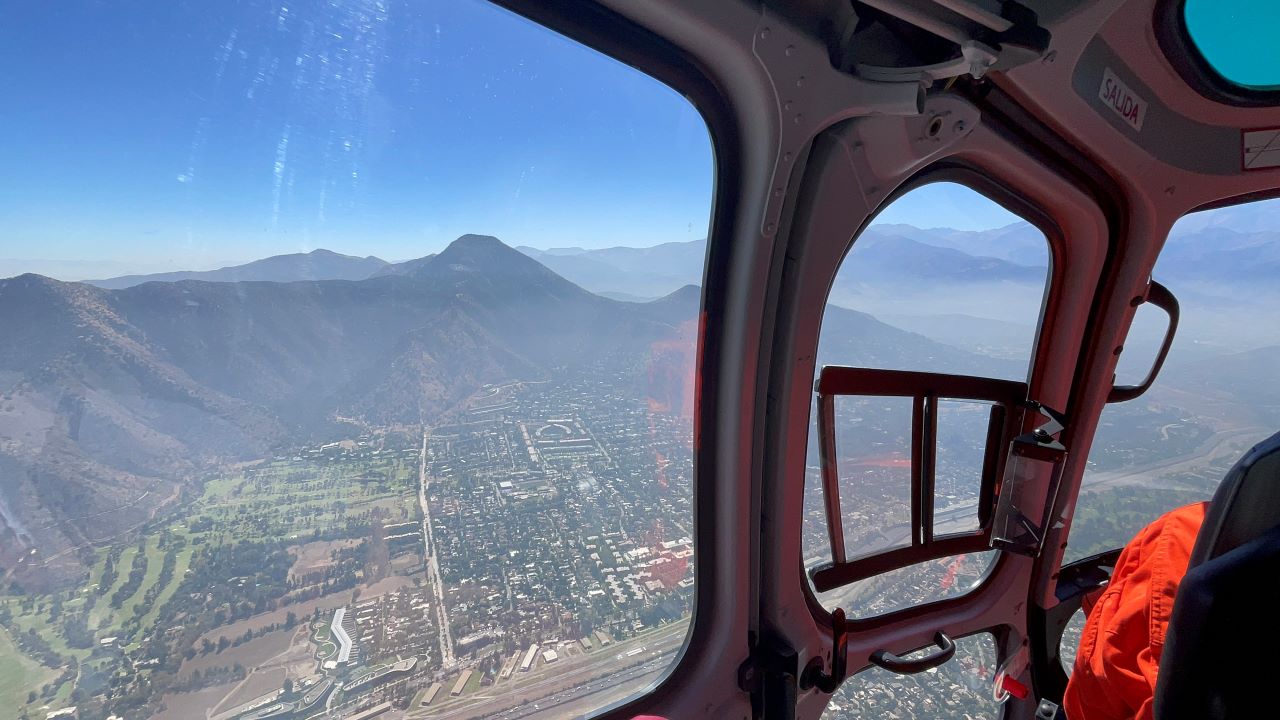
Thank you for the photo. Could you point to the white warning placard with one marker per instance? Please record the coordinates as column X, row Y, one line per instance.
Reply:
column 1261, row 148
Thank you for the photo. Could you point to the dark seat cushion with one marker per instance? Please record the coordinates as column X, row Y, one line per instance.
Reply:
column 1246, row 505
column 1222, row 653
column 1222, row 647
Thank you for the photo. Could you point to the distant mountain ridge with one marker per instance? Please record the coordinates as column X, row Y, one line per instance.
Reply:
column 315, row 265
column 889, row 253
column 1221, row 246
column 111, row 400
column 891, row 257
column 636, row 272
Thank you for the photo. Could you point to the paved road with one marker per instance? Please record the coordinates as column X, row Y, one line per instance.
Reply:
column 623, row 669
column 1212, row 446
column 433, row 563
column 593, row 695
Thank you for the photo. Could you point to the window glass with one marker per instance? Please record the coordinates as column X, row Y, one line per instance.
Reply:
column 348, row 360
column 962, row 444
column 874, row 461
column 1070, row 646
column 945, row 280
column 1217, row 394
column 960, row 689
column 1237, row 38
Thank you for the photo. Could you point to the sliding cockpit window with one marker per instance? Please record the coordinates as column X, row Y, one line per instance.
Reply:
column 349, row 357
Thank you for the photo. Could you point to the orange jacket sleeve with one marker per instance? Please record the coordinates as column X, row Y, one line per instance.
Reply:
column 1114, row 676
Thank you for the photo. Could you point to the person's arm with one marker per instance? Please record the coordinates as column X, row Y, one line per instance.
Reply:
column 1114, row 676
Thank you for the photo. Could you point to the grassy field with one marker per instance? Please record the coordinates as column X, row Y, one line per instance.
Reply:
column 155, row 559
column 179, row 570
column 290, row 500
column 18, row 676
column 102, row 616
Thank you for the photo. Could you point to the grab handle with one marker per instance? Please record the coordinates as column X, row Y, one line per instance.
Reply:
column 902, row 666
column 1159, row 296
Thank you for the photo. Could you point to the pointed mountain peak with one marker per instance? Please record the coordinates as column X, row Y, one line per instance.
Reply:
column 474, row 239
column 476, row 244
column 482, row 253
column 484, row 260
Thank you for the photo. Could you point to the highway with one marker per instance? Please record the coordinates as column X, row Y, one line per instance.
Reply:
column 557, row 691
column 447, row 658
column 593, row 695
column 1198, row 458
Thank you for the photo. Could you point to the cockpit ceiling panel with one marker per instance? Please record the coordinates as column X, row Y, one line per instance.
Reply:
column 1129, row 105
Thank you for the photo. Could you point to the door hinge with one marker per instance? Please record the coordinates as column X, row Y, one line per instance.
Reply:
column 771, row 677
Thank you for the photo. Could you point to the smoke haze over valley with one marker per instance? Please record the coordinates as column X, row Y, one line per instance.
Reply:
column 117, row 392
column 125, row 402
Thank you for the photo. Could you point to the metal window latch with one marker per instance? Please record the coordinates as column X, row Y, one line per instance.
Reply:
column 1048, row 710
column 813, row 676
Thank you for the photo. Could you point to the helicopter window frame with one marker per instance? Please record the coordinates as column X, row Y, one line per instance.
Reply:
column 1019, row 163
column 997, row 188
column 617, row 37
column 1193, row 334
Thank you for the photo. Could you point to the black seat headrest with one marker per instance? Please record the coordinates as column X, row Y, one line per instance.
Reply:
column 1246, row 505
column 1219, row 661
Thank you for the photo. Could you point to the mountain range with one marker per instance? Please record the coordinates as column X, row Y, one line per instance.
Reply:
column 315, row 265
column 117, row 394
column 1200, row 251
column 112, row 401
column 1016, row 253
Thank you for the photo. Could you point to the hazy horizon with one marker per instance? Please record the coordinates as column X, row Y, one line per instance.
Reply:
column 950, row 207
column 946, row 207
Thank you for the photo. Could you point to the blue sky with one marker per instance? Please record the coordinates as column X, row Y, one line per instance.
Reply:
column 946, row 205
column 167, row 134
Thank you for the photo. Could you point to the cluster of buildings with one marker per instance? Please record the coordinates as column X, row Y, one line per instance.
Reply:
column 560, row 519
column 563, row 509
column 396, row 623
